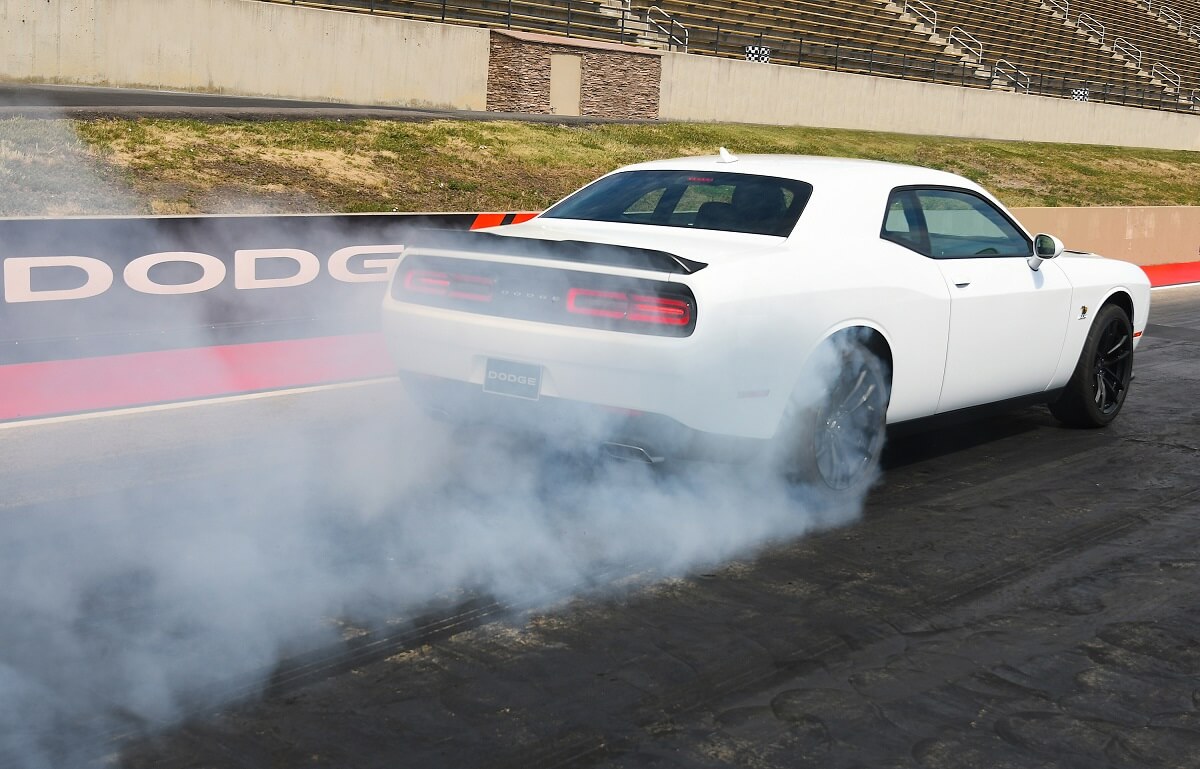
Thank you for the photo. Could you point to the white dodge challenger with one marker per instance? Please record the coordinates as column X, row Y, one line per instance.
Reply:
column 778, row 306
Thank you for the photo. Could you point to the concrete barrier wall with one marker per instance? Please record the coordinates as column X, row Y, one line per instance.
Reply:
column 245, row 47
column 1142, row 235
column 703, row 88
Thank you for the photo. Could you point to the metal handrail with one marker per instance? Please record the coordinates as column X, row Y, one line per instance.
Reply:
column 923, row 11
column 1063, row 6
column 1123, row 46
column 1090, row 23
column 1165, row 73
column 1007, row 69
column 669, row 32
column 1165, row 12
column 967, row 41
column 1194, row 32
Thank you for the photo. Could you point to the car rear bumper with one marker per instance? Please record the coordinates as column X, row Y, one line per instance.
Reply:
column 693, row 381
column 621, row 433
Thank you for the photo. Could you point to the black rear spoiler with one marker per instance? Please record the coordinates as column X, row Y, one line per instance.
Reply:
column 556, row 250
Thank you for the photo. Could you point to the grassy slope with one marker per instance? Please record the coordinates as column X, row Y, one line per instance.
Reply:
column 171, row 166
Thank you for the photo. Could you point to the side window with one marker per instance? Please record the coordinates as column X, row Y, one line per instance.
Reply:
column 951, row 224
column 963, row 225
column 903, row 223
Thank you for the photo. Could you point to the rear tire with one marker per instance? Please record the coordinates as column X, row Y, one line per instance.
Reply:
column 835, row 445
column 1096, row 391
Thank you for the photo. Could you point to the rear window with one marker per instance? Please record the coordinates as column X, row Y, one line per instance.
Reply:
column 760, row 205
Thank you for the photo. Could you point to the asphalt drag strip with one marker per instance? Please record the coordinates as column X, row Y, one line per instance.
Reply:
column 1016, row 594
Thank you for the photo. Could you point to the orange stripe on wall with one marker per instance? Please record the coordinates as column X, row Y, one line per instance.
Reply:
column 495, row 220
column 487, row 220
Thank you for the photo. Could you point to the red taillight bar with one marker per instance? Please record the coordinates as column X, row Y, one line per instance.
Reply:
column 636, row 308
column 658, row 309
column 475, row 288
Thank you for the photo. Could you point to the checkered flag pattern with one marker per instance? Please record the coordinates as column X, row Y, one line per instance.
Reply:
column 1080, row 94
column 760, row 53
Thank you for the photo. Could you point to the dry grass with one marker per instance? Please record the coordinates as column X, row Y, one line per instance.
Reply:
column 174, row 166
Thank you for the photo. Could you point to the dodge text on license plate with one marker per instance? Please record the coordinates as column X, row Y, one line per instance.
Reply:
column 519, row 380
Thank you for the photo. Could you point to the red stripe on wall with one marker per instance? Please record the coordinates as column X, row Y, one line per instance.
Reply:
column 487, row 220
column 117, row 381
column 1173, row 274
column 495, row 220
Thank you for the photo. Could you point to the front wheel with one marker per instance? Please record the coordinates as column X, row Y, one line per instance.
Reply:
column 1096, row 391
column 835, row 444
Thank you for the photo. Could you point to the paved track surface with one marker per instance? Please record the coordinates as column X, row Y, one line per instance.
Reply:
column 1016, row 594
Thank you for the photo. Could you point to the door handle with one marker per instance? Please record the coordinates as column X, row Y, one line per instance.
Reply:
column 962, row 285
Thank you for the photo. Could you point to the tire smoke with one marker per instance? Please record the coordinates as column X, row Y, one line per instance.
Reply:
column 156, row 562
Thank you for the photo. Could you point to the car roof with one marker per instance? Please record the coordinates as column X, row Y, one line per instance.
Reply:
column 814, row 169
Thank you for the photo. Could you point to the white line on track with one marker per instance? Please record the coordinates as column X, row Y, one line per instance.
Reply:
column 39, row 421
column 1177, row 285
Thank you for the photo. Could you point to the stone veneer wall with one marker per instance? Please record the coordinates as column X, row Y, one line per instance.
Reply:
column 616, row 81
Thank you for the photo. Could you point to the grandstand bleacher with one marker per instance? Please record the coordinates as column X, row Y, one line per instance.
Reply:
column 1139, row 53
column 1157, row 33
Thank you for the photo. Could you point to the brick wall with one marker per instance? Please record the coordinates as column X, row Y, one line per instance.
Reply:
column 617, row 81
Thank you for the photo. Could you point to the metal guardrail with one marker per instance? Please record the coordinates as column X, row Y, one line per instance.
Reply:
column 1126, row 48
column 840, row 57
column 1006, row 69
column 673, row 40
column 1166, row 74
column 968, row 42
column 922, row 11
column 1090, row 23
column 1062, row 6
column 1148, row 97
column 1164, row 11
column 1194, row 32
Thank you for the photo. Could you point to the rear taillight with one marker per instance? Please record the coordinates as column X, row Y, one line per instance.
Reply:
column 474, row 288
column 635, row 308
column 547, row 294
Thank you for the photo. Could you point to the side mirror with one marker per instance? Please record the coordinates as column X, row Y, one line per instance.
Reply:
column 1044, row 247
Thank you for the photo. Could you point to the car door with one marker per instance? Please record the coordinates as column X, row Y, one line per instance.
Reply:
column 1007, row 321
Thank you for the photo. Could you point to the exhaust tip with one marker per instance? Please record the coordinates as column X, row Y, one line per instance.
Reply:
column 628, row 453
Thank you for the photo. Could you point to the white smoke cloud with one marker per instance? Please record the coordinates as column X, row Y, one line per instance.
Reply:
column 180, row 554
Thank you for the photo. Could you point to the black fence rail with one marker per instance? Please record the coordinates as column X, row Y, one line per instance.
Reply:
column 1147, row 97
column 587, row 19
column 886, row 62
column 838, row 57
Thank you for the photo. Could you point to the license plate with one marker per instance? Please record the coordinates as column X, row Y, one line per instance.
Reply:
column 517, row 380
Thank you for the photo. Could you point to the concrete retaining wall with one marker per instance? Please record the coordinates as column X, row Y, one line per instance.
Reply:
column 1142, row 235
column 703, row 88
column 245, row 47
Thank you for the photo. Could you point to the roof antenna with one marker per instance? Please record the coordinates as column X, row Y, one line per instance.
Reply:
column 727, row 156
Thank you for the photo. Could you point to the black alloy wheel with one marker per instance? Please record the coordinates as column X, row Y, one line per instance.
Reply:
column 1112, row 366
column 837, row 443
column 1096, row 391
